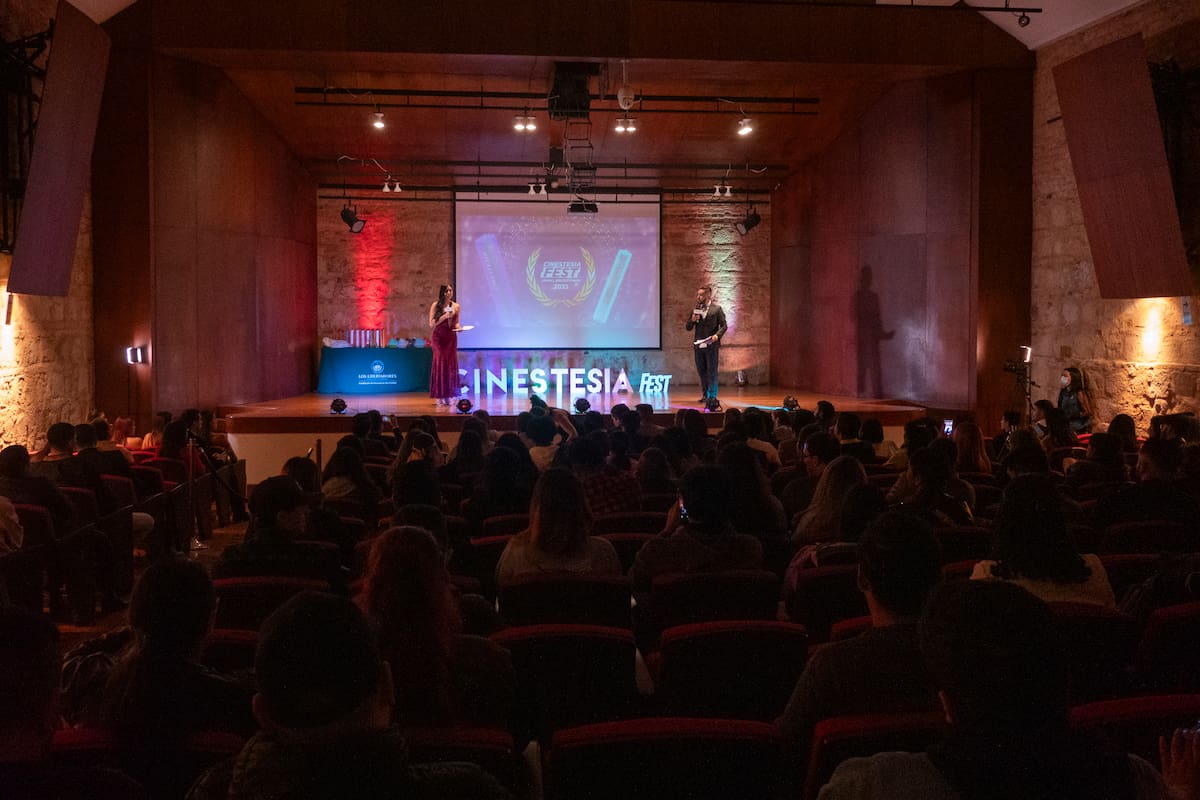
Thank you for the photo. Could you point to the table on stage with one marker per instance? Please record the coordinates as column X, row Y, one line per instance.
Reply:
column 374, row 370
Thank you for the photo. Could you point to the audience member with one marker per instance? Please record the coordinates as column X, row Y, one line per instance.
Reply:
column 542, row 432
column 558, row 539
column 822, row 520
column 755, row 511
column 345, row 478
column 653, row 472
column 879, row 670
column 1033, row 548
column 466, row 459
column 648, row 428
column 1001, row 442
column 1000, row 668
column 442, row 677
column 503, row 488
column 146, row 681
column 872, row 433
column 1103, row 464
column 864, row 503
column 705, row 541
column 1059, row 433
column 608, row 491
column 153, row 439
column 849, row 429
column 972, row 454
column 758, row 432
column 325, row 708
column 1156, row 495
column 1123, row 428
column 789, row 449
column 932, row 470
column 817, row 451
column 29, row 715
column 918, row 433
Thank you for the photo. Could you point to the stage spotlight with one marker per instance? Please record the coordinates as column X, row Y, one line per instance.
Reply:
column 338, row 406
column 463, row 406
column 582, row 405
column 379, row 123
column 745, row 126
column 350, row 217
column 519, row 122
column 1023, row 20
column 790, row 403
column 748, row 223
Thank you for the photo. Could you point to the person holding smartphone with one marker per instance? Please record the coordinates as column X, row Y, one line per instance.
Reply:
column 707, row 320
column 443, row 318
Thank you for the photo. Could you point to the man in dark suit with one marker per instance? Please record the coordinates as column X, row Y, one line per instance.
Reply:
column 708, row 322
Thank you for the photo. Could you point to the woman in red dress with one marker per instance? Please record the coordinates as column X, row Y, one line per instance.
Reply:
column 443, row 318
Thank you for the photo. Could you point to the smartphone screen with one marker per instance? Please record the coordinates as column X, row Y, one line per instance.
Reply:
column 947, row 426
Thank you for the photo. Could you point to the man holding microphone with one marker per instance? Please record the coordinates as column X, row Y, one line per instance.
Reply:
column 708, row 321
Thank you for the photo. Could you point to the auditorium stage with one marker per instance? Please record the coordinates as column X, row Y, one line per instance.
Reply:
column 310, row 413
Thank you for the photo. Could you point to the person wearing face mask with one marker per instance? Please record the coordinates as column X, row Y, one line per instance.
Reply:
column 1073, row 400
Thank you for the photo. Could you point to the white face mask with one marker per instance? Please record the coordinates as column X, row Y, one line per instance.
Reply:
column 1065, row 381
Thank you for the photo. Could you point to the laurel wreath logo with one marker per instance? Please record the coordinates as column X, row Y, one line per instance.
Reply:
column 536, row 290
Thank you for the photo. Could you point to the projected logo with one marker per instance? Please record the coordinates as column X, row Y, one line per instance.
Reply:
column 563, row 282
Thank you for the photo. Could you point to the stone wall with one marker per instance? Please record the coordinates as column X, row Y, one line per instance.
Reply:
column 1140, row 357
column 46, row 370
column 388, row 275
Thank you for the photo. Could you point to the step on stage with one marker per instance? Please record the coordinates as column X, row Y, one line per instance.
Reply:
column 310, row 413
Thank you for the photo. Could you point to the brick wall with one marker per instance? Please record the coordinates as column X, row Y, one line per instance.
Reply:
column 46, row 371
column 388, row 275
column 1139, row 356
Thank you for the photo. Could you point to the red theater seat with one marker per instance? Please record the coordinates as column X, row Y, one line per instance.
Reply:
column 630, row 522
column 680, row 599
column 245, row 603
column 840, row 738
column 566, row 599
column 1168, row 656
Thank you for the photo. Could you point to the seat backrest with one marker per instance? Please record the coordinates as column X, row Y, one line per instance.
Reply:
column 682, row 598
column 1126, row 569
column 122, row 489
column 740, row 669
column 481, row 559
column 1134, row 723
column 163, row 769
column 230, row 650
column 491, row 749
column 1168, row 655
column 87, row 509
column 823, row 595
column 38, row 523
column 172, row 469
column 840, row 738
column 659, row 501
column 503, row 525
column 566, row 599
column 629, row 522
column 1149, row 536
column 961, row 542
column 246, row 602
column 627, row 546
column 569, row 674
column 1101, row 642
column 663, row 758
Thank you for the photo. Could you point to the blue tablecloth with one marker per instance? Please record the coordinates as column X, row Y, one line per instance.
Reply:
column 374, row 370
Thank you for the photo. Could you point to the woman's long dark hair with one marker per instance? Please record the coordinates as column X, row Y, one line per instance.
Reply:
column 559, row 518
column 1076, row 382
column 441, row 299
column 1032, row 540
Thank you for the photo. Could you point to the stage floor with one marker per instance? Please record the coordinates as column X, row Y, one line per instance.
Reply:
column 310, row 412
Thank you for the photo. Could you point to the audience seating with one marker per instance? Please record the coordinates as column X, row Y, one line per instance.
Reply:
column 959, row 570
column 453, row 495
column 1127, row 569
column 978, row 479
column 840, row 738
column 482, row 559
column 627, row 546
column 884, row 480
column 1134, row 724
column 1057, row 455
column 23, row 572
column 570, row 675
column 680, row 599
column 1152, row 536
column 566, row 599
column 1168, row 655
column 659, row 501
column 244, row 603
column 849, row 628
column 824, row 595
column 491, row 749
column 230, row 650
column 166, row 770
column 987, row 497
column 1101, row 642
column 629, row 522
column 503, row 525
column 741, row 669
column 961, row 542
column 783, row 476
column 666, row 758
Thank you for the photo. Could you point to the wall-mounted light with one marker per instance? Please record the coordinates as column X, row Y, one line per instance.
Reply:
column 745, row 126
column 8, row 308
column 525, row 123
column 626, row 124
column 135, row 355
column 379, row 123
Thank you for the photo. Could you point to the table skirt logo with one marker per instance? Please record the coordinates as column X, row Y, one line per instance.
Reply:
column 377, row 366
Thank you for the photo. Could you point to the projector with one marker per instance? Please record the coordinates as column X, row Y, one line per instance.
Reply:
column 582, row 207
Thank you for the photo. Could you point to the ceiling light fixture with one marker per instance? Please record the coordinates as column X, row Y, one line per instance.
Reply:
column 626, row 124
column 531, row 189
column 525, row 122
column 519, row 122
column 350, row 217
column 748, row 223
column 530, row 121
column 745, row 126
column 1023, row 20
column 379, row 123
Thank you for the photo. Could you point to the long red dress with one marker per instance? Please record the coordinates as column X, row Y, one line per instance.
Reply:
column 443, row 377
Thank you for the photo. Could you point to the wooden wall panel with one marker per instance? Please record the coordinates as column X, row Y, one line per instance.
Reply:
column 174, row 359
column 1116, row 146
column 226, row 295
column 897, row 263
column 893, row 158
